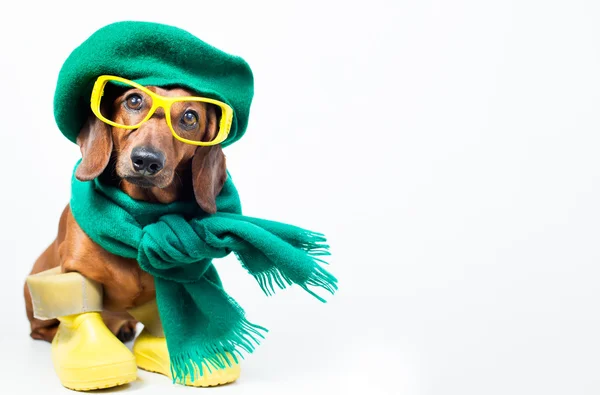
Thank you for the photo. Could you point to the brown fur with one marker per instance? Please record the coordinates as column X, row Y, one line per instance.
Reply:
column 189, row 172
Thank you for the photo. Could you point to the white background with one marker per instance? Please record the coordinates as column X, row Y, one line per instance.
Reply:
column 448, row 149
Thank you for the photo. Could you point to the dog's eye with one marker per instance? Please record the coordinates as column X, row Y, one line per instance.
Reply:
column 134, row 101
column 189, row 118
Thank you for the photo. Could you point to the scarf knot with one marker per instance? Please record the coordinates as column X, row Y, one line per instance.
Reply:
column 178, row 250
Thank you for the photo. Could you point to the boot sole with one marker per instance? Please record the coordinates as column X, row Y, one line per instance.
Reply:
column 217, row 377
column 98, row 377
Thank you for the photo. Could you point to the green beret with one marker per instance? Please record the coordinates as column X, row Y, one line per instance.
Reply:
column 151, row 54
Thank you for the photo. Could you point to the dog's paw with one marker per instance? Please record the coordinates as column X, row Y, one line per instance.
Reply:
column 127, row 332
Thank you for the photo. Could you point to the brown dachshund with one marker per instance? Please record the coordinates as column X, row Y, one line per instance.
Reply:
column 148, row 164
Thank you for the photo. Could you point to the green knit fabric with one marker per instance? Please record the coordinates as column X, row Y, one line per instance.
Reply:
column 176, row 244
column 151, row 54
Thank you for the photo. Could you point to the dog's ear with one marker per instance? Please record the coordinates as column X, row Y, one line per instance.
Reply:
column 95, row 142
column 209, row 173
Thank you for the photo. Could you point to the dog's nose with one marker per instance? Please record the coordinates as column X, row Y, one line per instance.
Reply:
column 147, row 160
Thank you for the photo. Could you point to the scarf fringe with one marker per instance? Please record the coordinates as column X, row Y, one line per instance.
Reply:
column 266, row 279
column 214, row 356
column 314, row 244
column 323, row 279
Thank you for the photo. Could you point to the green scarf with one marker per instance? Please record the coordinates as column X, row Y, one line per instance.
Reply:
column 176, row 243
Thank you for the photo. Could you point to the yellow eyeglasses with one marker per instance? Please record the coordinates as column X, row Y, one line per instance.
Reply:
column 136, row 104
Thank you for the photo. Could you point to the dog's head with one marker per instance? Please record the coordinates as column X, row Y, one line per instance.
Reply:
column 150, row 157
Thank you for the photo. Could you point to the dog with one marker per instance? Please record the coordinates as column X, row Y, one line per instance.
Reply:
column 148, row 164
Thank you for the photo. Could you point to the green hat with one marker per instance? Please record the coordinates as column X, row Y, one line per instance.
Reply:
column 151, row 54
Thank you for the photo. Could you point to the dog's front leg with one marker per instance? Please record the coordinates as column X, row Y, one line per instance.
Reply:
column 85, row 353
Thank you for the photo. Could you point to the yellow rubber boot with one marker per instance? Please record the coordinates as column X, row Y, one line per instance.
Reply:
column 87, row 356
column 151, row 354
column 85, row 352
